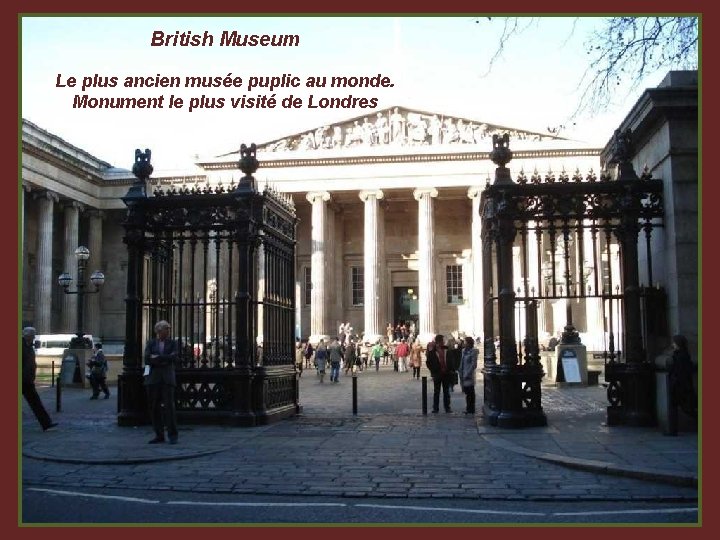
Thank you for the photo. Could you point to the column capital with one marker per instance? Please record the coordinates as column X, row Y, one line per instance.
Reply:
column 419, row 193
column 474, row 191
column 73, row 204
column 46, row 194
column 96, row 213
column 366, row 194
column 316, row 196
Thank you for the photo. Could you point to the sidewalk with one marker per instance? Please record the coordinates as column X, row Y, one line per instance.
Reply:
column 388, row 450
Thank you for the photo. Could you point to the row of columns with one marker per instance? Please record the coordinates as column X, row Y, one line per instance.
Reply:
column 45, row 280
column 374, row 265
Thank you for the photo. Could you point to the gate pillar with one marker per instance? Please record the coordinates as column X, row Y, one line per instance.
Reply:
column 631, row 390
column 132, row 401
column 514, row 389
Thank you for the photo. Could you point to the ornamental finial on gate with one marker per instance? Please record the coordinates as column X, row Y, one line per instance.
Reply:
column 248, row 164
column 142, row 169
column 622, row 154
column 501, row 155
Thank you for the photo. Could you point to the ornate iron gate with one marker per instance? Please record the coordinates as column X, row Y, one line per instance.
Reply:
column 573, row 240
column 218, row 263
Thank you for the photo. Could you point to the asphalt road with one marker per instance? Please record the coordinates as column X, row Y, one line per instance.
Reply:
column 56, row 505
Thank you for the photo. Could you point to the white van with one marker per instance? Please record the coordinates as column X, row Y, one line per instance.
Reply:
column 55, row 344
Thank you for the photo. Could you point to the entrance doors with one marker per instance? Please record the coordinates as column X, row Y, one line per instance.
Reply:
column 405, row 304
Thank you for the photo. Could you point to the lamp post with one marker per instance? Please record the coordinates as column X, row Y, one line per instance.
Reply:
column 97, row 278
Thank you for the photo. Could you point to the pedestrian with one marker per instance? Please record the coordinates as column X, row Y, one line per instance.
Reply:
column 321, row 356
column 335, row 353
column 437, row 364
column 401, row 352
column 299, row 358
column 416, row 359
column 680, row 381
column 454, row 355
column 350, row 356
column 468, row 365
column 308, row 353
column 389, row 331
column 98, row 372
column 391, row 348
column 377, row 352
column 364, row 355
column 29, row 371
column 161, row 354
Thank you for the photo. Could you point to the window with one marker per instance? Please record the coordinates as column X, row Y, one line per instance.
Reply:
column 358, row 286
column 454, row 284
column 308, row 286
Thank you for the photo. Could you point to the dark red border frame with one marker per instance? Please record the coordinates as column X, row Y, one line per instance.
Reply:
column 9, row 216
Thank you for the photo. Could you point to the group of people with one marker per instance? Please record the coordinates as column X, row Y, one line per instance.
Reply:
column 355, row 355
column 160, row 358
column 447, row 363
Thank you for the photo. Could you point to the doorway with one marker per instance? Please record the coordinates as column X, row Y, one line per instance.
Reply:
column 405, row 304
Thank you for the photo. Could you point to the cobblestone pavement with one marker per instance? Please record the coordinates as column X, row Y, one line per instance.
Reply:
column 388, row 450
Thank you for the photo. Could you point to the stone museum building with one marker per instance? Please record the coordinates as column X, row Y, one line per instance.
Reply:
column 389, row 223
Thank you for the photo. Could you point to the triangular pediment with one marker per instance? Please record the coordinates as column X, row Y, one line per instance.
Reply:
column 399, row 127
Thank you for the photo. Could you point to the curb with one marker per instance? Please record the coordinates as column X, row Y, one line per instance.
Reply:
column 35, row 454
column 591, row 465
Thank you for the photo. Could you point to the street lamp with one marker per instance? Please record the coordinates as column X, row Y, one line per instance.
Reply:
column 97, row 278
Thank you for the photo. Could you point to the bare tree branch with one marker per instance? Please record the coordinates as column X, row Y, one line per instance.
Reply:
column 621, row 53
column 511, row 27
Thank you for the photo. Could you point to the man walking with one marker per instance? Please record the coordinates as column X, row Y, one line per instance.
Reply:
column 98, row 372
column 350, row 356
column 335, row 358
column 376, row 353
column 29, row 370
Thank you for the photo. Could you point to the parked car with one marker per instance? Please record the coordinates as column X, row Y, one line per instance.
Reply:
column 55, row 344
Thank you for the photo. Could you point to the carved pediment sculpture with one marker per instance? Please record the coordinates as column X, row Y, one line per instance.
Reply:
column 398, row 127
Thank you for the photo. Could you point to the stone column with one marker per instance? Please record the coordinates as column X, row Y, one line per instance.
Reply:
column 476, row 302
column 426, row 263
column 211, row 292
column 593, row 306
column 372, row 323
column 318, row 263
column 338, row 266
column 95, row 242
column 331, row 256
column 25, row 189
column 70, row 239
column 45, row 279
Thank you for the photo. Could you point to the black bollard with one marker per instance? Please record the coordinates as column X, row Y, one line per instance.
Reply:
column 52, row 373
column 424, row 395
column 58, row 395
column 354, row 397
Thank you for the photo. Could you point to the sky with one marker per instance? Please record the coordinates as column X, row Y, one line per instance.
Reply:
column 436, row 64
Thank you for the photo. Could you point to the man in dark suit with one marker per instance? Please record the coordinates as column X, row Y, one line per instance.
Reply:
column 161, row 353
column 29, row 370
column 441, row 372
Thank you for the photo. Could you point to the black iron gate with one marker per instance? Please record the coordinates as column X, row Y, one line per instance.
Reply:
column 575, row 240
column 218, row 263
